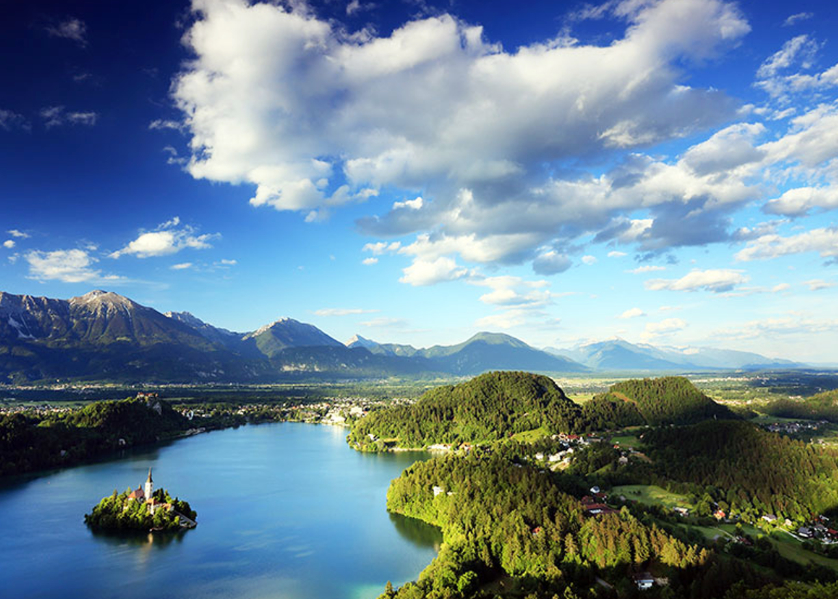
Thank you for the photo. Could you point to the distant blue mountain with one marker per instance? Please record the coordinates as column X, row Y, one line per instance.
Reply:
column 620, row 355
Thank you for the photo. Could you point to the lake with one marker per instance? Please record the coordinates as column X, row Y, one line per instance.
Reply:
column 285, row 511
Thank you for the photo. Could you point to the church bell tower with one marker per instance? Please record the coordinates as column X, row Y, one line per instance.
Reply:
column 149, row 486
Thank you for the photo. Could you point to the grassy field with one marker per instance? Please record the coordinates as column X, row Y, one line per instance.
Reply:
column 789, row 547
column 652, row 495
column 531, row 435
column 627, row 441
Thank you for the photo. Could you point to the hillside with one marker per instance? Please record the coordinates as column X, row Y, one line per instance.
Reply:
column 34, row 443
column 501, row 520
column 754, row 471
column 666, row 400
column 821, row 406
column 487, row 408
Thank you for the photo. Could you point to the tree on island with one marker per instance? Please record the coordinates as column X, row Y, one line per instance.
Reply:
column 126, row 511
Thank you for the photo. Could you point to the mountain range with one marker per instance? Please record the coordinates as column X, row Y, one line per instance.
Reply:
column 105, row 336
column 620, row 355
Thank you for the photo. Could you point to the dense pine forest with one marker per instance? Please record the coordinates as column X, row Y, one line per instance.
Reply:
column 488, row 408
column 821, row 406
column 514, row 527
column 498, row 405
column 505, row 521
column 667, row 400
column 754, row 472
column 29, row 443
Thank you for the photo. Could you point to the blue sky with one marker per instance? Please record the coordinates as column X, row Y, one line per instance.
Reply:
column 665, row 171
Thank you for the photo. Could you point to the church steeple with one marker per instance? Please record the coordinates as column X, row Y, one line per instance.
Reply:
column 149, row 486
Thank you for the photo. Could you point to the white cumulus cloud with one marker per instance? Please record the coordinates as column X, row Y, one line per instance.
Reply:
column 166, row 239
column 824, row 241
column 316, row 117
column 67, row 266
column 428, row 272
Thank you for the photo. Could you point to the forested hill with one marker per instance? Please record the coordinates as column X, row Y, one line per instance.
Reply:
column 667, row 400
column 497, row 405
column 487, row 408
column 503, row 520
column 822, row 406
column 30, row 443
column 754, row 471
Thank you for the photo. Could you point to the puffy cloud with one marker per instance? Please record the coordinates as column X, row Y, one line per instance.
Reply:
column 727, row 149
column 18, row 234
column 513, row 291
column 474, row 248
column 616, row 254
column 381, row 247
column 810, row 141
column 412, row 204
column 166, row 239
column 296, row 106
column 824, row 241
column 632, row 313
column 9, row 244
column 71, row 29
column 551, row 263
column 428, row 272
column 67, row 266
column 369, row 261
column 589, row 260
column 716, row 280
column 798, row 201
column 342, row 311
column 181, row 266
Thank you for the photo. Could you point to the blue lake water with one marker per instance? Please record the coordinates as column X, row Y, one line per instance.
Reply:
column 285, row 511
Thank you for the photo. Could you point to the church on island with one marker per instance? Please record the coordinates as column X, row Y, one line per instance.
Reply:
column 145, row 493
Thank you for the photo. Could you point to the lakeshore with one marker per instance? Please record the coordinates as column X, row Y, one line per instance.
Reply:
column 285, row 510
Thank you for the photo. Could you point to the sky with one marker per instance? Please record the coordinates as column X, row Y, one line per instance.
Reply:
column 416, row 171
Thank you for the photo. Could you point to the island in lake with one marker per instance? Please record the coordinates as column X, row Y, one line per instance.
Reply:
column 141, row 509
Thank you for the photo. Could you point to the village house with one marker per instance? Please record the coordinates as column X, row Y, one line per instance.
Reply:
column 644, row 581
